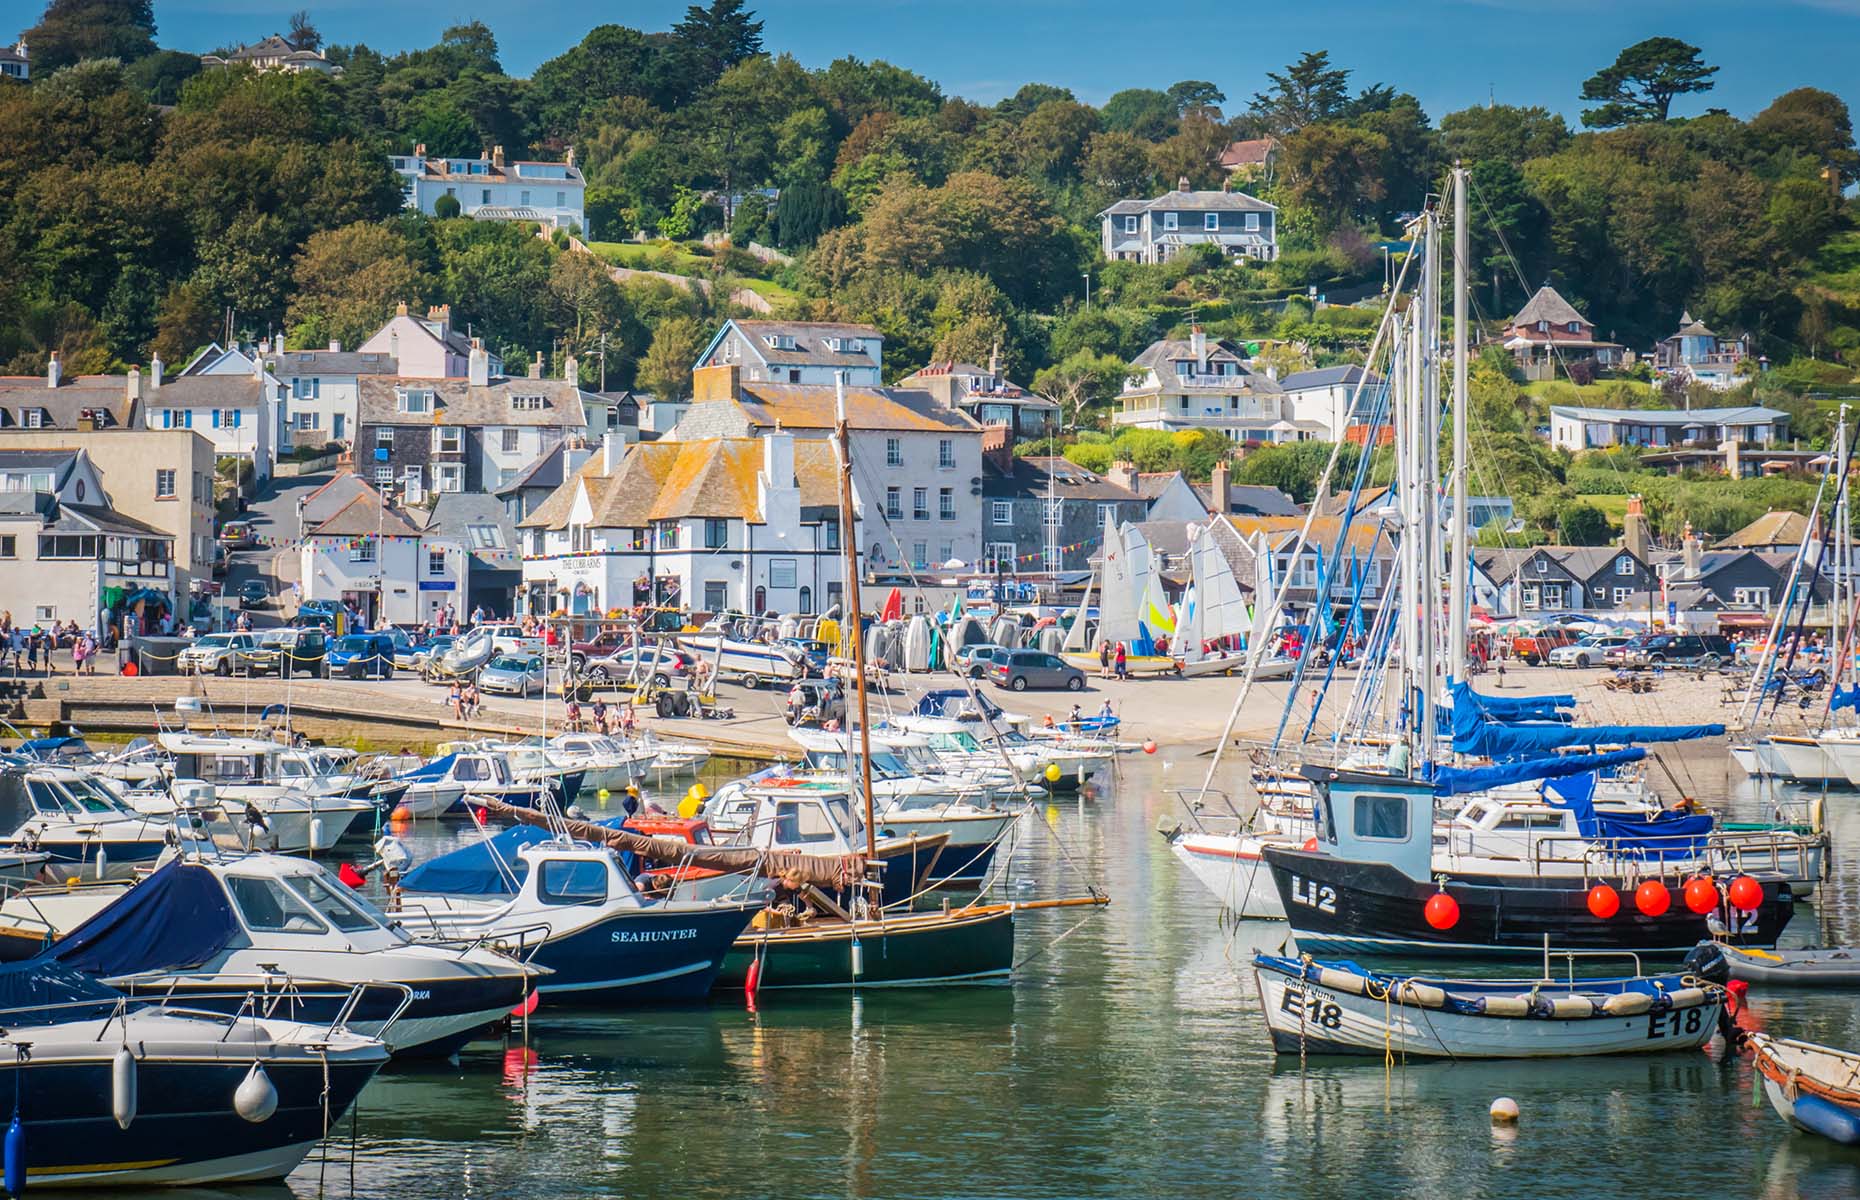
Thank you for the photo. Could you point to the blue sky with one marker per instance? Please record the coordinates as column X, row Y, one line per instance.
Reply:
column 1450, row 53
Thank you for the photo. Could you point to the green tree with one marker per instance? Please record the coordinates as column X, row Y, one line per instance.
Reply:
column 1582, row 525
column 1305, row 93
column 665, row 370
column 446, row 207
column 1335, row 170
column 1814, row 123
column 161, row 75
column 248, row 269
column 1080, row 382
column 73, row 30
column 1502, row 133
column 1642, row 82
column 718, row 37
column 585, row 301
column 348, row 281
column 1294, row 467
column 805, row 211
column 1140, row 112
column 1052, row 140
column 1196, row 95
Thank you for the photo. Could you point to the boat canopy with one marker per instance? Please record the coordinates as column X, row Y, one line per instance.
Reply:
column 1841, row 697
column 1513, row 708
column 1474, row 732
column 1456, row 781
column 493, row 867
column 49, row 747
column 437, row 769
column 178, row 917
column 953, row 703
column 43, row 991
column 1660, row 837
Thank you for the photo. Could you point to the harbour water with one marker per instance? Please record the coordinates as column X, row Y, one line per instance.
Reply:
column 1127, row 1058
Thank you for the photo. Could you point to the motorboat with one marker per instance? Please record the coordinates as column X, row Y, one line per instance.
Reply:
column 440, row 786
column 219, row 927
column 68, row 823
column 1806, row 758
column 670, row 757
column 140, row 765
column 113, row 1092
column 606, row 764
column 247, row 772
column 569, row 907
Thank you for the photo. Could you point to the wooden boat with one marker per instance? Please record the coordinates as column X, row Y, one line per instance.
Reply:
column 1829, row 967
column 1337, row 1007
column 1814, row 1088
column 972, row 945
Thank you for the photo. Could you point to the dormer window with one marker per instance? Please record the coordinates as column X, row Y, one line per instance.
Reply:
column 1543, row 327
column 33, row 418
column 778, row 341
column 527, row 403
column 417, row 401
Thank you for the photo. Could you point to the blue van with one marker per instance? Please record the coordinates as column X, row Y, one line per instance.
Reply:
column 362, row 656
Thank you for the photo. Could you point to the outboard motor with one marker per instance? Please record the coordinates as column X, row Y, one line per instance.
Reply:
column 1707, row 961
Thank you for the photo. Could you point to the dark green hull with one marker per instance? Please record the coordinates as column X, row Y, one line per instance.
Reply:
column 919, row 949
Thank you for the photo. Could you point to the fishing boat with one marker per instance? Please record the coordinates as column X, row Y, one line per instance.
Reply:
column 1814, row 1088
column 114, row 1093
column 567, row 906
column 1337, row 1007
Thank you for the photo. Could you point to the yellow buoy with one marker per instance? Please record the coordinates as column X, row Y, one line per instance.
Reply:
column 690, row 807
column 602, row 796
column 700, row 791
column 1052, row 772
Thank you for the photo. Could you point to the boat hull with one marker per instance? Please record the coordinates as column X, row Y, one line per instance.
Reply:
column 922, row 949
column 1234, row 869
column 1344, row 907
column 641, row 956
column 1803, row 760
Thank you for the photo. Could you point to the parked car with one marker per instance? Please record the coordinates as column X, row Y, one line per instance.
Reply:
column 507, row 637
column 1023, row 669
column 1535, row 648
column 1617, row 656
column 237, row 535
column 253, row 593
column 975, row 660
column 286, row 652
column 1683, row 650
column 599, row 646
column 666, row 664
column 217, row 653
column 363, row 656
column 1590, row 651
column 513, row 675
column 824, row 696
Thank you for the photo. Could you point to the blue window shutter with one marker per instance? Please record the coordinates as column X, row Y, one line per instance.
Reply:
column 235, row 413
column 216, row 418
column 187, row 418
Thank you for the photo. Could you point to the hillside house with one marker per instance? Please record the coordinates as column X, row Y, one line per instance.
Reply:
column 1178, row 384
column 1548, row 334
column 1154, row 231
column 1697, row 355
column 809, row 352
column 491, row 189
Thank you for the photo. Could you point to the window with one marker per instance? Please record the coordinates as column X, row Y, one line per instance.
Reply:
column 1107, row 513
column 363, row 551
column 335, row 907
column 9, row 546
column 266, row 907
column 486, row 537
column 1130, row 224
column 164, row 484
column 1382, row 818
column 946, row 504
column 448, row 477
column 413, row 479
column 1758, row 597
column 509, row 440
column 384, row 476
column 413, row 400
column 1252, row 222
column 1001, row 556
column 572, row 881
column 831, row 529
column 67, row 545
column 1575, row 326
column 1171, row 220
column 945, row 551
column 1211, row 221
column 920, row 554
column 484, row 195
column 305, row 389
column 384, row 436
column 561, row 199
column 782, row 572
column 894, row 506
column 1543, row 327
column 447, row 439
column 920, row 504
column 1003, row 512
column 946, row 453
column 528, row 403
column 1624, row 565
column 716, row 533
column 523, row 197
column 435, row 562
column 35, row 418
column 668, row 535
column 716, row 595
column 894, row 452
column 175, row 418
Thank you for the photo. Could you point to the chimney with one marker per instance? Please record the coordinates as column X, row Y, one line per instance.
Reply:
column 132, row 386
column 1733, row 459
column 497, row 156
column 536, row 366
column 155, row 370
column 569, row 159
column 1123, row 473
column 335, row 347
column 1694, row 552
column 1634, row 529
column 778, row 459
column 719, row 382
column 1218, row 487
column 1181, row 183
column 478, row 373
column 613, row 450
column 400, row 310
column 1198, row 341
column 571, row 371
column 53, row 371
column 994, row 359
column 419, row 150
column 998, row 449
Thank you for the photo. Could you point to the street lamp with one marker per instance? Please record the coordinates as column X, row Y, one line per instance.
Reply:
column 1087, row 291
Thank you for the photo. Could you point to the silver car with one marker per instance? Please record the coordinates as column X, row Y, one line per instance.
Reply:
column 1023, row 669
column 513, row 675
column 217, row 653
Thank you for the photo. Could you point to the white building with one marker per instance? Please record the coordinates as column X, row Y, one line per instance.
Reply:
column 813, row 352
column 14, row 62
column 427, row 347
column 274, row 54
column 1326, row 402
column 65, row 553
column 1197, row 384
column 1154, row 231
column 1574, row 428
column 228, row 397
column 748, row 523
column 322, row 389
column 367, row 551
column 490, row 189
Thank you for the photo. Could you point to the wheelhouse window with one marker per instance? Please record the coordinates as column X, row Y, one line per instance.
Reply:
column 572, row 881
column 266, row 907
column 1381, row 818
column 332, row 905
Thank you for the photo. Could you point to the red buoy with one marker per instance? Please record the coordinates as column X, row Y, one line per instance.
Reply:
column 1310, row 844
column 1442, row 911
column 1604, row 901
column 751, row 982
column 1746, row 893
column 351, row 876
column 1701, row 895
column 1652, row 898
column 1149, row 747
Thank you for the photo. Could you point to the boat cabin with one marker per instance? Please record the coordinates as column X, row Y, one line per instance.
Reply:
column 818, row 820
column 59, row 794
column 1375, row 818
column 221, row 760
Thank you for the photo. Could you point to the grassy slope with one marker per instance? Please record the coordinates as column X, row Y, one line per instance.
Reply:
column 651, row 256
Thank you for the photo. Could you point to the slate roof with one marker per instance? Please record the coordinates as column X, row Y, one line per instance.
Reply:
column 1773, row 528
column 1548, row 305
column 1250, row 499
column 810, row 347
column 37, row 460
column 673, row 480
column 457, row 402
column 333, row 496
column 205, row 391
column 108, row 520
column 1193, row 201
column 454, row 514
column 330, row 362
column 1324, row 377
column 364, row 515
column 1747, row 414
column 62, row 404
column 1031, row 478
column 545, row 472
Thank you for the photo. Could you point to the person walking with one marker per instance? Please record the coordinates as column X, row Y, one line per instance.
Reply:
column 1122, row 662
column 1104, row 660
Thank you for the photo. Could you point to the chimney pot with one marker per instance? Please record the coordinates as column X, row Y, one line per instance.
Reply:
column 400, row 310
column 132, row 387
column 155, row 370
column 613, row 450
column 335, row 347
column 54, row 371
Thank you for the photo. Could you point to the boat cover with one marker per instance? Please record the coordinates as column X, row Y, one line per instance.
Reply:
column 42, row 991
column 48, row 748
column 1456, row 781
column 1666, row 836
column 491, row 867
column 953, row 703
column 1513, row 708
column 1475, row 732
column 1841, row 697
column 434, row 770
column 178, row 917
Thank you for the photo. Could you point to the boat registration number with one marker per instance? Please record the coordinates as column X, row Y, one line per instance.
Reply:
column 1311, row 1006
column 1320, row 896
column 1680, row 1022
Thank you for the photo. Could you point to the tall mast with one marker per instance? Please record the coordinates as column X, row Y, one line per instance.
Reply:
column 1427, row 495
column 849, row 543
column 1459, row 607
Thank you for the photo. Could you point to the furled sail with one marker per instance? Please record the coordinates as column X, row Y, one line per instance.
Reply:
column 1219, row 609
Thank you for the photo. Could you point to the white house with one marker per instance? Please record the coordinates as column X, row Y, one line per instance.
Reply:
column 1574, row 428
column 427, row 347
column 228, row 397
column 65, row 553
column 749, row 523
column 371, row 556
column 1323, row 404
column 1197, row 384
column 1154, row 231
column 322, row 389
column 14, row 62
column 490, row 189
column 275, row 54
column 813, row 352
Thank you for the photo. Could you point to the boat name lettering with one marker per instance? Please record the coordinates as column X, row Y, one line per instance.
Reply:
column 1673, row 1024
column 654, row 935
column 1322, row 897
column 418, row 995
column 1311, row 1006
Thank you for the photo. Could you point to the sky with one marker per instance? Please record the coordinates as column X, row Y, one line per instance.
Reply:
column 1449, row 53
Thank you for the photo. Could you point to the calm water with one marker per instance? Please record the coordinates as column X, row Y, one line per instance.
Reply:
column 1128, row 1059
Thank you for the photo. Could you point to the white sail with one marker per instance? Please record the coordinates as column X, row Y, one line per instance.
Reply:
column 1117, row 599
column 1219, row 609
column 1075, row 637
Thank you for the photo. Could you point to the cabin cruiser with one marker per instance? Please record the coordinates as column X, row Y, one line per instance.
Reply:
column 572, row 910
column 966, row 730
column 441, row 785
column 69, row 823
column 198, row 1100
column 217, row 928
column 606, row 764
column 671, row 757
column 249, row 772
column 141, row 765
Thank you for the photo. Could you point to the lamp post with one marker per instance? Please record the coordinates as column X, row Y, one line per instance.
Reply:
column 1087, row 275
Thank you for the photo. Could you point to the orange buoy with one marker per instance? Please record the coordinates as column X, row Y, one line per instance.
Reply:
column 1701, row 895
column 1652, row 898
column 1604, row 901
column 1310, row 844
column 400, row 814
column 1442, row 911
column 1149, row 747
column 1746, row 893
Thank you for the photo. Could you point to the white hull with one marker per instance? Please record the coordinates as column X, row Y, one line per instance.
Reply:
column 1804, row 761
column 1843, row 752
column 431, row 799
column 1231, row 866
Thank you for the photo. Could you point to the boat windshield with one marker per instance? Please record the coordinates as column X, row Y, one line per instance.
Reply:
column 72, row 798
column 339, row 910
column 809, row 822
column 266, row 906
column 955, row 741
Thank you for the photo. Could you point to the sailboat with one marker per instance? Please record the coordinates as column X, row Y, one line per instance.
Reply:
column 1214, row 614
column 1132, row 606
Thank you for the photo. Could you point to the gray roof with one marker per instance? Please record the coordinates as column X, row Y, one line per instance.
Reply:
column 330, row 362
column 457, row 402
column 108, row 520
column 1252, row 500
column 1194, row 201
column 29, row 460
column 810, row 348
column 62, row 405
column 545, row 472
column 454, row 513
column 1324, row 377
column 1748, row 414
column 214, row 391
column 1032, row 477
column 333, row 497
column 1548, row 305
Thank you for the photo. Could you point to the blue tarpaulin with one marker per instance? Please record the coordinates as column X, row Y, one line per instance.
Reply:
column 1666, row 836
column 1456, row 781
column 433, row 770
column 1842, row 697
column 488, row 868
column 1512, row 708
column 953, row 702
column 1474, row 732
column 178, row 917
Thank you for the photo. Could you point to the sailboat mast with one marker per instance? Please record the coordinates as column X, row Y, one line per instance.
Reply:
column 1458, row 600
column 849, row 543
column 1427, row 395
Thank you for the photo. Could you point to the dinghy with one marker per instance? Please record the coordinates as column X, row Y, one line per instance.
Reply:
column 1339, row 1008
column 1814, row 1088
column 1832, row 967
column 917, row 644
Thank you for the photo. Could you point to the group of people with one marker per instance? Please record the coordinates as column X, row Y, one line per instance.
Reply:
column 1113, row 661
column 601, row 717
column 464, row 700
column 30, row 648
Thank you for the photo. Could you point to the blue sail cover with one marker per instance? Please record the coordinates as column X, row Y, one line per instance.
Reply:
column 1513, row 708
column 1663, row 837
column 1475, row 733
column 488, row 868
column 178, row 917
column 1457, row 781
column 429, row 771
column 1842, row 697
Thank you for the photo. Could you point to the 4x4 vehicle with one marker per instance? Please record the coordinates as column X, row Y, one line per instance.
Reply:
column 1682, row 650
column 824, row 697
column 1590, row 651
column 1023, row 669
column 975, row 660
column 632, row 663
column 507, row 637
column 217, row 653
column 363, row 655
column 1535, row 648
column 602, row 644
column 288, row 651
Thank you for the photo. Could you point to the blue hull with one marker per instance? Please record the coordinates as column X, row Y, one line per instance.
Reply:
column 529, row 797
column 964, row 864
column 85, row 852
column 641, row 957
